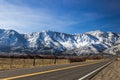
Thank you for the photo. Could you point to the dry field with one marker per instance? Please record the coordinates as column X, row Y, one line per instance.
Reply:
column 14, row 63
column 9, row 63
column 112, row 72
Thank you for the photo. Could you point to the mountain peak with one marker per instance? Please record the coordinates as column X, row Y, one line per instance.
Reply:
column 96, row 31
column 47, row 31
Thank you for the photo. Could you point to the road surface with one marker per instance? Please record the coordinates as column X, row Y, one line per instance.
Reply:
column 73, row 71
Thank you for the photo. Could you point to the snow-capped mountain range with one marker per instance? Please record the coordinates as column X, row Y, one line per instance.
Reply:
column 51, row 41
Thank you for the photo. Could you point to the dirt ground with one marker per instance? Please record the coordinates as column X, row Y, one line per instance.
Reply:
column 112, row 72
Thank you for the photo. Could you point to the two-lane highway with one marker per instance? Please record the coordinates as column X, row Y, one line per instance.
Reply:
column 72, row 71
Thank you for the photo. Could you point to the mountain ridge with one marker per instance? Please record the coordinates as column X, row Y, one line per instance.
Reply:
column 56, row 42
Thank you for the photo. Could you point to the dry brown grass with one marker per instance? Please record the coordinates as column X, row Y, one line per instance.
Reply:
column 14, row 63
column 93, row 60
column 112, row 72
column 9, row 63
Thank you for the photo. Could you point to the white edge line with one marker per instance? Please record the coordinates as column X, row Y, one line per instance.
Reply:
column 94, row 71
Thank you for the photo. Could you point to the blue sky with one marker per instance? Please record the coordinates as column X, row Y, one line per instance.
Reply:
column 69, row 16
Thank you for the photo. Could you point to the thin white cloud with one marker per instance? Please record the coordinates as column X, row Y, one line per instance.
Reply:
column 24, row 19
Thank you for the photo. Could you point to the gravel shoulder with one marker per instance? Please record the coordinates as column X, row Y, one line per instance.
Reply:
column 112, row 72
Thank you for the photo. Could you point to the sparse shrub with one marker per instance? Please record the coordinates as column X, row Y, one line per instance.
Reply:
column 77, row 59
column 96, row 57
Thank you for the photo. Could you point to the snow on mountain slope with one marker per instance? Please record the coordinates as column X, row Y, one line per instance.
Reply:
column 59, row 41
column 83, row 50
column 97, row 40
column 11, row 38
column 108, row 38
column 94, row 41
column 113, row 50
column 44, row 39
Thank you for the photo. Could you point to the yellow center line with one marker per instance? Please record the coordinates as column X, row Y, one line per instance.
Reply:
column 43, row 72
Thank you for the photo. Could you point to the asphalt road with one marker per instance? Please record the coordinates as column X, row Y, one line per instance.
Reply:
column 72, row 71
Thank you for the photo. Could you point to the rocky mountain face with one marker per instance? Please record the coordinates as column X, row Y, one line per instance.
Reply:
column 46, row 42
column 115, row 50
column 11, row 40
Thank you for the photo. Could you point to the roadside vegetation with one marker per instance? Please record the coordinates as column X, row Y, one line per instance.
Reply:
column 30, row 61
